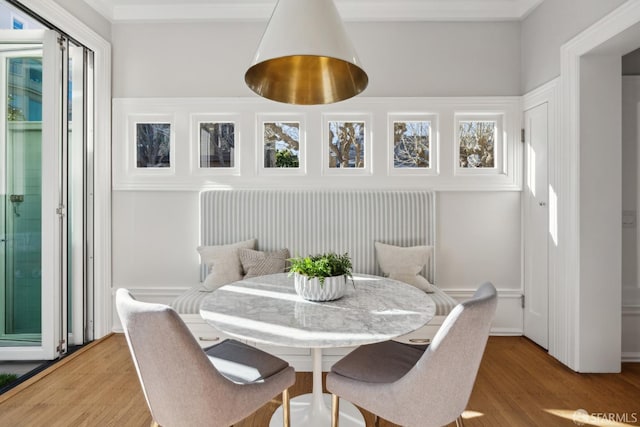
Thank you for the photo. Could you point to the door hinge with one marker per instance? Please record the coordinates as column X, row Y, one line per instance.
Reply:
column 60, row 348
column 522, row 301
column 62, row 42
column 522, row 135
column 60, row 210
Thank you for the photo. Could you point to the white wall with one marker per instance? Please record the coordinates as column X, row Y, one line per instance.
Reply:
column 548, row 27
column 630, row 234
column 600, row 201
column 155, row 233
column 402, row 59
column 472, row 241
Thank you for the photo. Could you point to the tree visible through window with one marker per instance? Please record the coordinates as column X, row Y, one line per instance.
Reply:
column 346, row 144
column 477, row 143
column 411, row 141
column 281, row 144
column 153, row 145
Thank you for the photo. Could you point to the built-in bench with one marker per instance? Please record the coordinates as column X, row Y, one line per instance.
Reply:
column 316, row 221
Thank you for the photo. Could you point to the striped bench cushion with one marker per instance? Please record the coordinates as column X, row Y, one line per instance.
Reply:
column 444, row 303
column 189, row 302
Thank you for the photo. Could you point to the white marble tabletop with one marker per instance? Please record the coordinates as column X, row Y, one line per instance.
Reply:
column 267, row 309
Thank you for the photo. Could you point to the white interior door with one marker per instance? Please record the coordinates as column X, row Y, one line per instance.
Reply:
column 31, row 236
column 536, row 226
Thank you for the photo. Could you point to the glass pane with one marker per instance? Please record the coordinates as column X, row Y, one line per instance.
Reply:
column 281, row 144
column 217, row 145
column 75, row 193
column 411, row 144
column 346, row 144
column 15, row 19
column 153, row 145
column 21, row 227
column 477, row 144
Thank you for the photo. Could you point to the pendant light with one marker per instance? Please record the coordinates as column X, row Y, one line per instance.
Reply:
column 305, row 56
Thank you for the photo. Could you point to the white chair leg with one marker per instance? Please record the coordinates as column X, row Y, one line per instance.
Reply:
column 459, row 422
column 335, row 410
column 286, row 419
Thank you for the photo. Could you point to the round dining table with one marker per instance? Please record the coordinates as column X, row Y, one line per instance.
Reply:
column 266, row 309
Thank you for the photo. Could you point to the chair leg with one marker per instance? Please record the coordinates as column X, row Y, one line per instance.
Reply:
column 459, row 422
column 376, row 421
column 286, row 420
column 335, row 410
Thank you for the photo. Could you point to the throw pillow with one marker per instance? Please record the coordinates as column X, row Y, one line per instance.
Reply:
column 223, row 263
column 258, row 263
column 404, row 263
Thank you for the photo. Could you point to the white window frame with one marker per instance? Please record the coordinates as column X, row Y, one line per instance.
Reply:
column 263, row 118
column 368, row 146
column 433, row 143
column 61, row 18
column 196, row 120
column 499, row 148
column 377, row 114
column 131, row 142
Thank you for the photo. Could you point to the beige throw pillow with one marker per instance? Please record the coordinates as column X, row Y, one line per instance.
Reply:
column 223, row 263
column 404, row 263
column 258, row 263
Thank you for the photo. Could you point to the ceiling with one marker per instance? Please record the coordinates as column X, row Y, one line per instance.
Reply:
column 350, row 10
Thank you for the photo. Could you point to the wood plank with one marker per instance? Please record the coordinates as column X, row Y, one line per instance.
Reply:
column 518, row 384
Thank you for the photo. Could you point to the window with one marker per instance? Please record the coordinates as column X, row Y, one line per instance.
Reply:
column 17, row 24
column 217, row 144
column 153, row 145
column 281, row 144
column 346, row 145
column 346, row 138
column 479, row 144
column 412, row 149
column 445, row 144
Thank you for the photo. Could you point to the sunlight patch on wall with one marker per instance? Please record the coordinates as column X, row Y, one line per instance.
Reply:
column 553, row 215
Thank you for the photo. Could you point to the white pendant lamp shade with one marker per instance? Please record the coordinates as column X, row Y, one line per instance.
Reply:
column 305, row 56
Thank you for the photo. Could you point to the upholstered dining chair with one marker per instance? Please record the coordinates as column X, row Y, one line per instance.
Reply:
column 424, row 386
column 185, row 385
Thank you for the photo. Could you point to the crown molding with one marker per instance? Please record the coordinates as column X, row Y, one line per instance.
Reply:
column 118, row 11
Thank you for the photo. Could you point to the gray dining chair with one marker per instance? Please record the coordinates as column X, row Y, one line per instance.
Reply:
column 417, row 386
column 185, row 385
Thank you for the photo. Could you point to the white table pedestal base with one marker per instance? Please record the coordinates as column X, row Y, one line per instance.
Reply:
column 305, row 414
column 313, row 410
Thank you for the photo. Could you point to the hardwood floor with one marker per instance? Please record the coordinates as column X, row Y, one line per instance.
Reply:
column 518, row 385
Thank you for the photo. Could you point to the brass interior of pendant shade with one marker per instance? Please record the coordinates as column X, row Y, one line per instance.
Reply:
column 306, row 79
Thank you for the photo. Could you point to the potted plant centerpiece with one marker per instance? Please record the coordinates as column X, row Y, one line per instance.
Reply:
column 321, row 277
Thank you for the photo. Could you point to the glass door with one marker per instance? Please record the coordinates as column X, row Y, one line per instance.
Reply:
column 32, row 204
column 78, row 191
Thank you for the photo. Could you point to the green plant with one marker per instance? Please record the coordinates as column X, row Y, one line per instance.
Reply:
column 322, row 265
column 286, row 159
column 7, row 378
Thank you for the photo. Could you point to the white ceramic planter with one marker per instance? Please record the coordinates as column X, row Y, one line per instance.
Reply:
column 311, row 289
